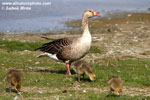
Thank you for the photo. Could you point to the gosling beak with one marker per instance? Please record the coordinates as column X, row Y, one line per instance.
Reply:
column 93, row 80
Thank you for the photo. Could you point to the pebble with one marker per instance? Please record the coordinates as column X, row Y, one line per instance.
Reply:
column 109, row 18
column 70, row 95
column 37, row 62
column 26, row 51
column 40, row 92
column 110, row 52
column 36, row 81
column 84, row 91
column 16, row 98
column 48, row 84
column 64, row 91
column 129, row 15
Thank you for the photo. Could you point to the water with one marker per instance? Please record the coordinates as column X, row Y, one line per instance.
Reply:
column 51, row 17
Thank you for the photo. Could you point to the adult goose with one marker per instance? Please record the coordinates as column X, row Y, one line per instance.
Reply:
column 70, row 49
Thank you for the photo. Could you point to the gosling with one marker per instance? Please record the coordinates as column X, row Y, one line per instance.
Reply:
column 81, row 68
column 14, row 78
column 115, row 84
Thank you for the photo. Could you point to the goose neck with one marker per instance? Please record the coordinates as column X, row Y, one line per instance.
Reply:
column 85, row 24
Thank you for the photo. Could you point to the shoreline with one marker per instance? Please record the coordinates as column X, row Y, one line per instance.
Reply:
column 118, row 36
column 120, row 46
column 109, row 15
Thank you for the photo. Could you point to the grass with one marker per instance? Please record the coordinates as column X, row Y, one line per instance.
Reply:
column 31, row 46
column 20, row 46
column 6, row 98
column 134, row 72
column 95, row 49
column 49, row 76
column 45, row 79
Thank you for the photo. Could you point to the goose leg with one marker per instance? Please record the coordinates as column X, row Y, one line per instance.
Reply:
column 68, row 70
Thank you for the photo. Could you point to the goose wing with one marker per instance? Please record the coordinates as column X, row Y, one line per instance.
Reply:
column 55, row 46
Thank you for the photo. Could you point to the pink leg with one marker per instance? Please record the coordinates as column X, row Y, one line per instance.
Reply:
column 68, row 70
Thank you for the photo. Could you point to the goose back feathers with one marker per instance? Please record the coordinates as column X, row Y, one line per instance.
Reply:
column 71, row 49
column 55, row 46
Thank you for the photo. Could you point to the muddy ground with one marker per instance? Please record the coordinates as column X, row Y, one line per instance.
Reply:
column 119, row 38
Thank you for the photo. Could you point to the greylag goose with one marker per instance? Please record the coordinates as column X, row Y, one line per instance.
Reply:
column 14, row 78
column 81, row 67
column 115, row 84
column 70, row 49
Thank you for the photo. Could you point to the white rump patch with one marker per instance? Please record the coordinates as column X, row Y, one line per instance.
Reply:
column 52, row 56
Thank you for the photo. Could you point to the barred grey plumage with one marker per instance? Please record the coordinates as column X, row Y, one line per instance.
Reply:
column 70, row 49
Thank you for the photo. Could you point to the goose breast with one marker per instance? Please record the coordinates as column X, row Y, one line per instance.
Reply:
column 76, row 50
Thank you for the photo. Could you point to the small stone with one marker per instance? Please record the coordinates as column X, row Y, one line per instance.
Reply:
column 109, row 18
column 36, row 81
column 48, row 84
column 64, row 91
column 115, row 31
column 26, row 51
column 132, row 95
column 129, row 15
column 127, row 22
column 16, row 98
column 2, row 64
column 110, row 52
column 70, row 95
column 18, row 92
column 40, row 92
column 108, row 30
column 84, row 91
column 37, row 62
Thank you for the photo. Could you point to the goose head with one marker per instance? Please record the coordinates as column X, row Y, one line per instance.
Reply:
column 92, row 76
column 90, row 13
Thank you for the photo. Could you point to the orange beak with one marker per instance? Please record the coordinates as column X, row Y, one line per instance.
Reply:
column 96, row 14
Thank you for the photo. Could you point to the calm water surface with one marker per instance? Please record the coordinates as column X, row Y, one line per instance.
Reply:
column 51, row 17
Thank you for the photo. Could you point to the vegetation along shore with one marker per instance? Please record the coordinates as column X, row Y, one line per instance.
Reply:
column 120, row 47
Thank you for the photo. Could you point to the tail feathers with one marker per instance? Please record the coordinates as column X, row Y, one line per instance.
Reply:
column 52, row 56
column 42, row 55
column 40, row 48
